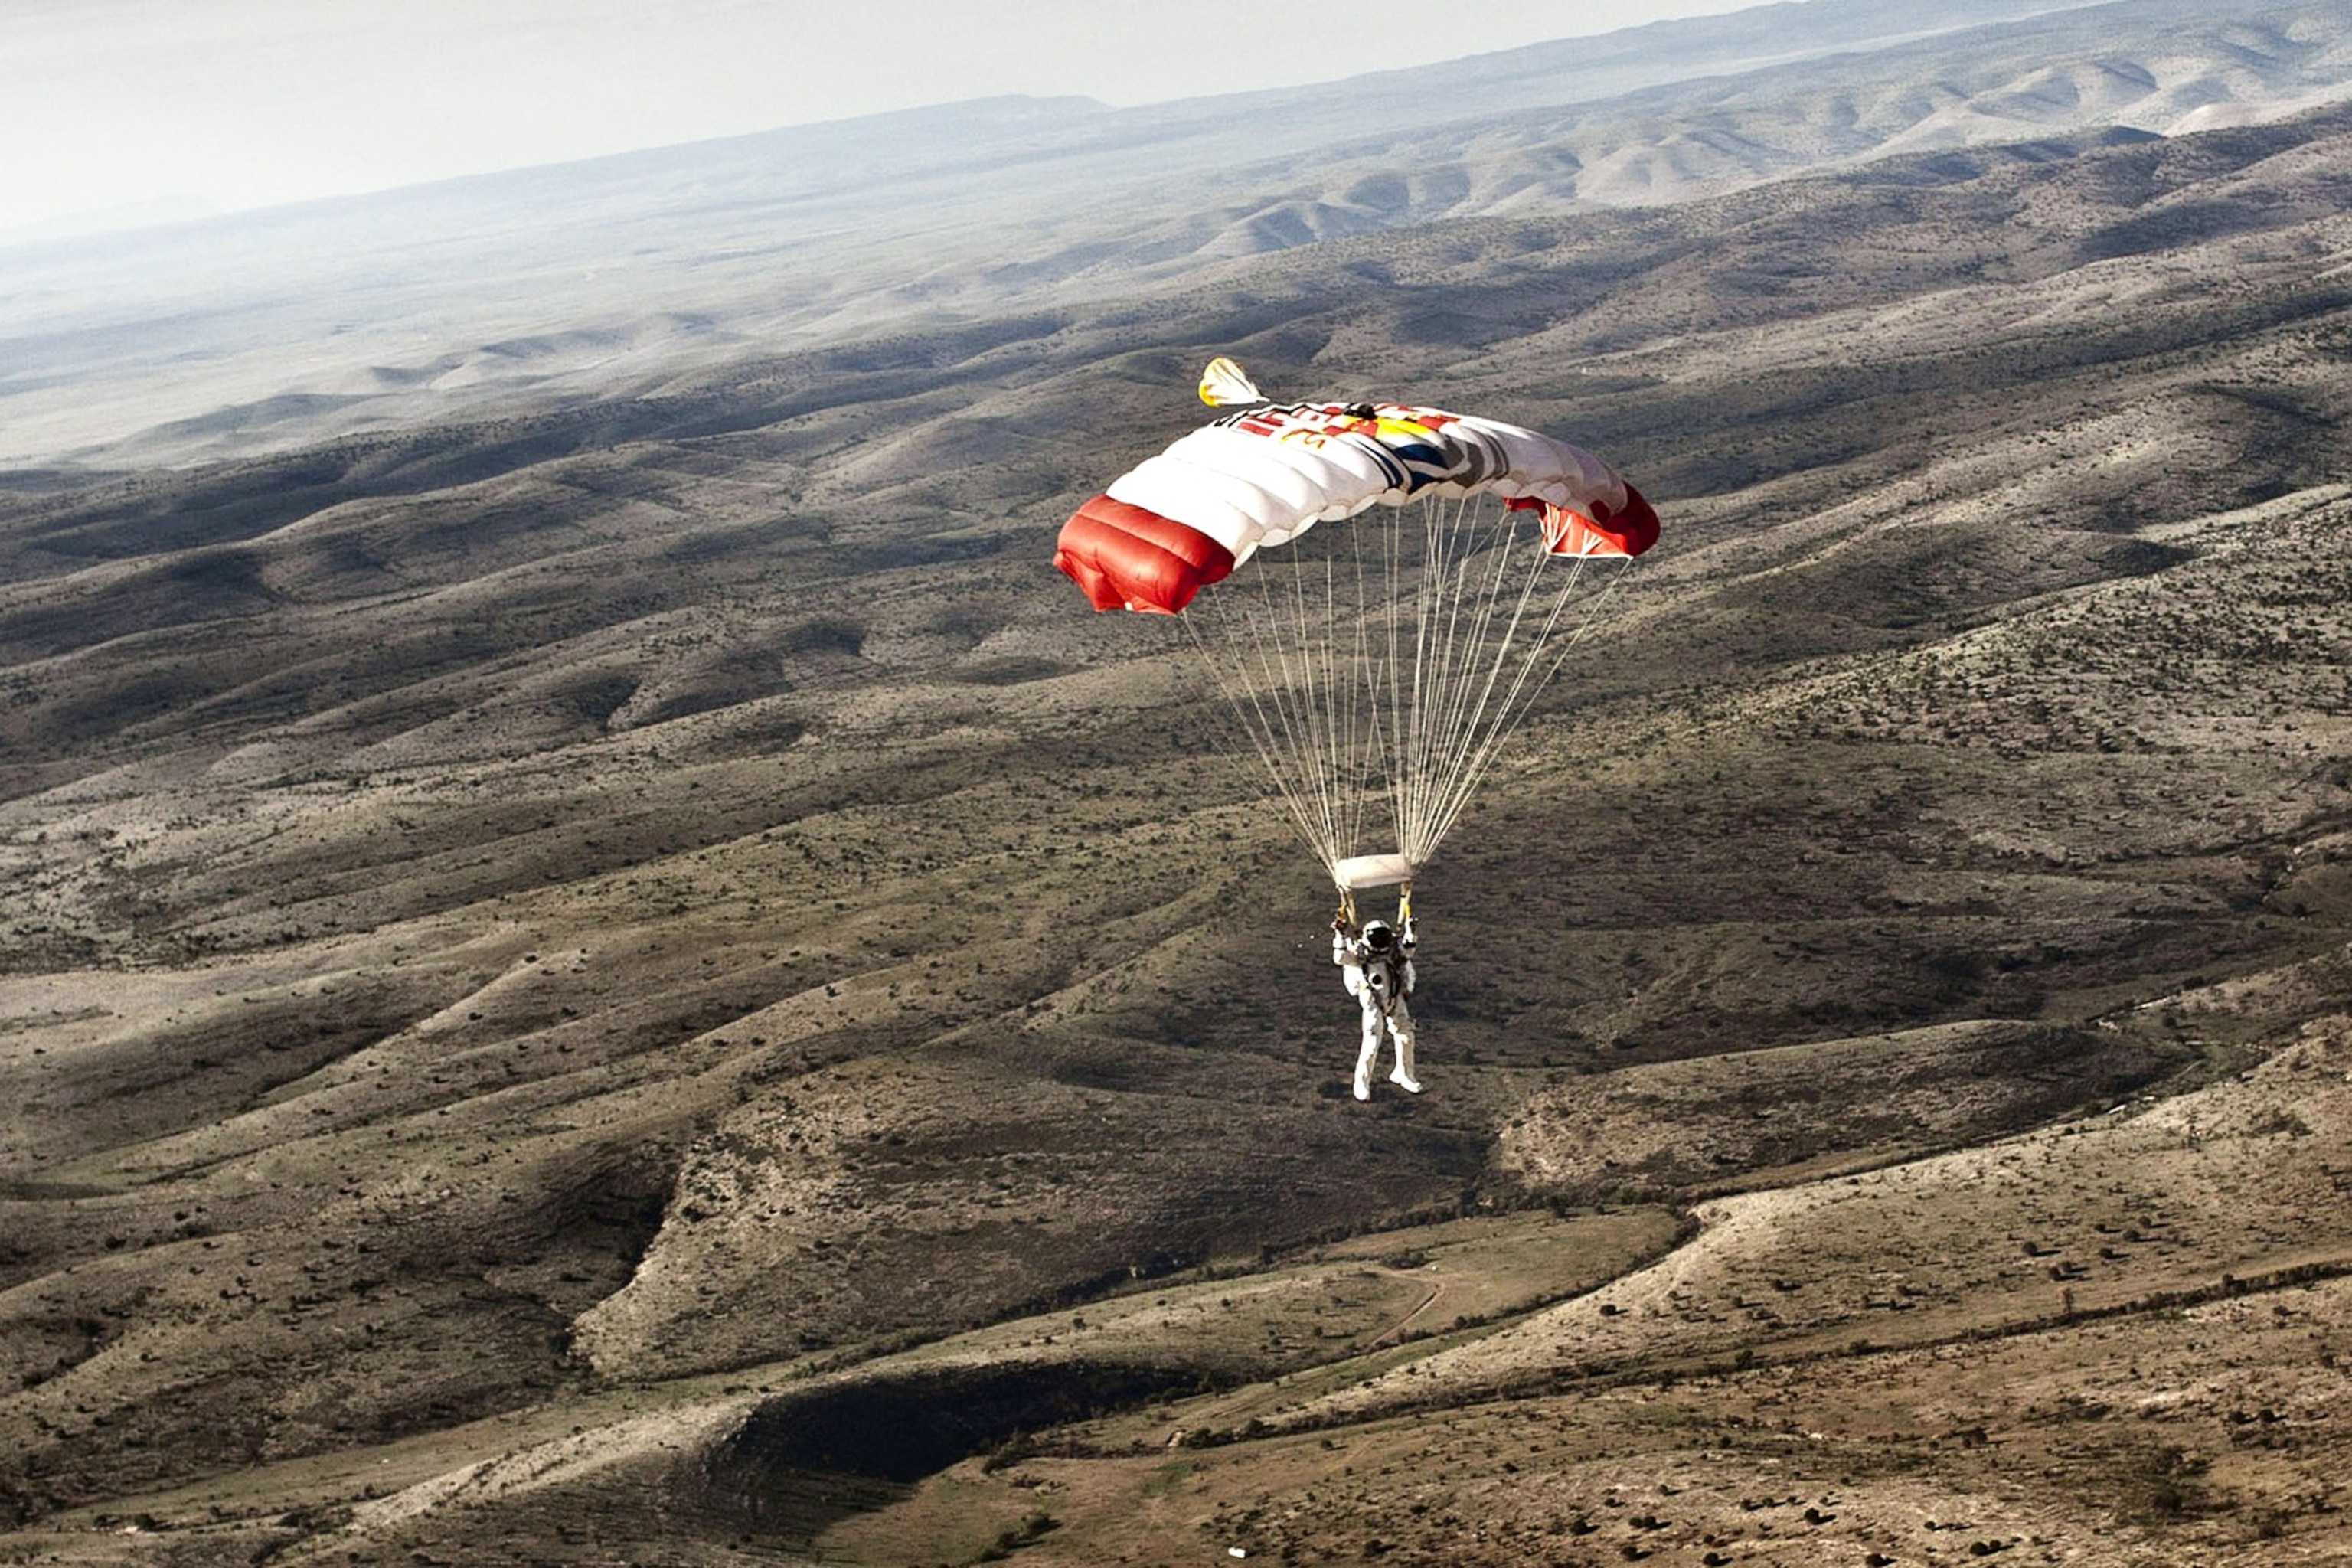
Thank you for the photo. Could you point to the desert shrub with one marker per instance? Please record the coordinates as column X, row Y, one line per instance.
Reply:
column 1033, row 1528
column 2160, row 1484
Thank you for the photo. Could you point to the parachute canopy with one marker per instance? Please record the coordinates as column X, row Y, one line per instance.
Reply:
column 1384, row 661
column 1260, row 478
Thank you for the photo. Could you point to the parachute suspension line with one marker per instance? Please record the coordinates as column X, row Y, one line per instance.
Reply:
column 1249, row 716
column 1314, row 662
column 1363, row 698
column 1459, row 659
column 1431, row 629
column 1316, row 635
column 1256, row 676
column 1551, row 665
column 1471, row 733
column 1347, row 711
column 1298, row 696
column 1473, row 604
column 1399, row 743
column 1411, row 754
column 1314, row 732
column 1486, row 737
column 1415, row 757
column 1338, row 714
column 1520, row 700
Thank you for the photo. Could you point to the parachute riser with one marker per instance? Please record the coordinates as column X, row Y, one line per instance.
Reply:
column 1347, row 910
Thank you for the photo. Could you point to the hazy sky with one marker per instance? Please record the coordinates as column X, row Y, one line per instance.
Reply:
column 233, row 103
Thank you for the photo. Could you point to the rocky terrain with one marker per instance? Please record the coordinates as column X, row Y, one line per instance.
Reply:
column 638, row 981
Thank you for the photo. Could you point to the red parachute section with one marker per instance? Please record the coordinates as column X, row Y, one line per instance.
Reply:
column 1628, row 531
column 1127, row 557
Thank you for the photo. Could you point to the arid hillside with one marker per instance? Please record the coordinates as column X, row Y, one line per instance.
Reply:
column 641, row 981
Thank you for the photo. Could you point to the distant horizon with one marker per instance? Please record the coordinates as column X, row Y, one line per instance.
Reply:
column 119, row 113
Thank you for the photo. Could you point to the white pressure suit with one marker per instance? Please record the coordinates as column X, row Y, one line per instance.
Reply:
column 1377, row 964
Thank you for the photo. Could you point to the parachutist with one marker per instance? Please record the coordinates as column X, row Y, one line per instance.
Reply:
column 1464, row 538
column 1376, row 964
